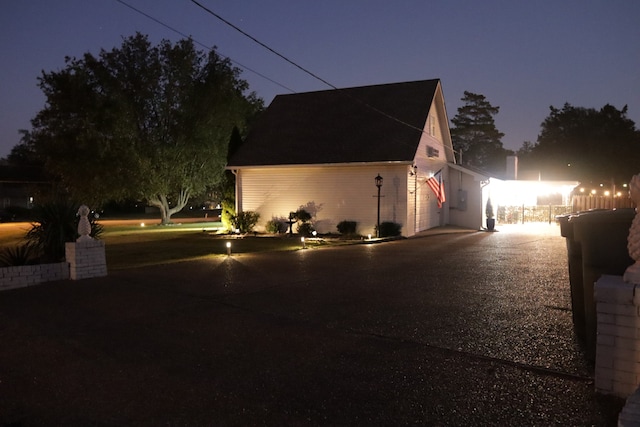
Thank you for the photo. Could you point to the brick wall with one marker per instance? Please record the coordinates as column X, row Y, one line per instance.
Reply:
column 618, row 340
column 27, row 275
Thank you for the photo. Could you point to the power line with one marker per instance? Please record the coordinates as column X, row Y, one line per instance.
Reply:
column 203, row 45
column 315, row 76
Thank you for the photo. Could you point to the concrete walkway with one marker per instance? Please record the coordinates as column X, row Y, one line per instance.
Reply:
column 456, row 328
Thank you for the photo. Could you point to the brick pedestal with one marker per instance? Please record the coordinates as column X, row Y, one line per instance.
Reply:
column 86, row 259
column 618, row 340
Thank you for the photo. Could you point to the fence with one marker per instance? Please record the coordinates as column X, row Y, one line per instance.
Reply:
column 584, row 203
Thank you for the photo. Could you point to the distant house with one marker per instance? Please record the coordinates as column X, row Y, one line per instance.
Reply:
column 18, row 185
column 322, row 150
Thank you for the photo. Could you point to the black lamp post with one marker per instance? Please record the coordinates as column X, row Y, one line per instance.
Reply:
column 378, row 184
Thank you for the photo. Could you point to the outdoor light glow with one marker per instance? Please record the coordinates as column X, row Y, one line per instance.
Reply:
column 369, row 236
column 142, row 224
column 582, row 190
column 619, row 194
column 228, row 248
column 593, row 191
column 315, row 233
column 606, row 193
column 304, row 245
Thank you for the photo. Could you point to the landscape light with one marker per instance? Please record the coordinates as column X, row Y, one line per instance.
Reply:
column 228, row 248
column 369, row 236
column 304, row 244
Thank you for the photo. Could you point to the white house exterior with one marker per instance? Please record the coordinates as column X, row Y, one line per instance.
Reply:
column 322, row 150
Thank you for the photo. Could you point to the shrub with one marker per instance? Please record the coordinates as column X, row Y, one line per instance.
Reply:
column 245, row 221
column 18, row 255
column 276, row 226
column 389, row 229
column 347, row 227
column 305, row 229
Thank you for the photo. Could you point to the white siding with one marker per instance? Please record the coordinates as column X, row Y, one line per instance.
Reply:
column 335, row 193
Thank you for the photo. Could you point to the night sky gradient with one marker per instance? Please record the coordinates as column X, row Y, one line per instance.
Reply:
column 524, row 56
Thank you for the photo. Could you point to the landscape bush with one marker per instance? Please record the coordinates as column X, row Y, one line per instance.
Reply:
column 389, row 229
column 18, row 255
column 305, row 229
column 245, row 221
column 276, row 225
column 347, row 227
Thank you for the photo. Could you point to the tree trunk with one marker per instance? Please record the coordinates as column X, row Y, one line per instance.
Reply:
column 161, row 202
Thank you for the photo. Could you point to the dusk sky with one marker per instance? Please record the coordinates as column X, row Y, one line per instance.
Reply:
column 522, row 55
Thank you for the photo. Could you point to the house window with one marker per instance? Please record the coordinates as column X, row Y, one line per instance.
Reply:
column 432, row 152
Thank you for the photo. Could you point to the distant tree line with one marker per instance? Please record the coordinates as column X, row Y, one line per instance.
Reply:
column 575, row 143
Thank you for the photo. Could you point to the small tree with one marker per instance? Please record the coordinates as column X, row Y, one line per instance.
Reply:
column 305, row 228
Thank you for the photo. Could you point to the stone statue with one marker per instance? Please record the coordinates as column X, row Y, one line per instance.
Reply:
column 84, row 226
column 632, row 274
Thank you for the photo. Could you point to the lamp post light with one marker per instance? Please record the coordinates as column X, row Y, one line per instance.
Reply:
column 378, row 184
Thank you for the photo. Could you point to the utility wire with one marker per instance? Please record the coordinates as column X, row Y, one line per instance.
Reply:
column 203, row 45
column 315, row 76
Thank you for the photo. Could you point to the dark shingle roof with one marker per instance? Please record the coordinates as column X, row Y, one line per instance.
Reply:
column 340, row 126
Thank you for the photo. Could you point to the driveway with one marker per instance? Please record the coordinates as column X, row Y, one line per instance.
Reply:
column 454, row 329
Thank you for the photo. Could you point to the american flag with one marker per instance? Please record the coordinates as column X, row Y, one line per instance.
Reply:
column 437, row 186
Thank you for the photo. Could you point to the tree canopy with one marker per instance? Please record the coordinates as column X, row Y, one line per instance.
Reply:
column 141, row 121
column 475, row 136
column 586, row 144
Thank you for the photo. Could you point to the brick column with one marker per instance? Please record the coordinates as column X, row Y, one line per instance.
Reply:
column 86, row 259
column 618, row 339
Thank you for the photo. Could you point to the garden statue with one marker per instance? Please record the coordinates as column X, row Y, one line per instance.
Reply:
column 84, row 226
column 632, row 274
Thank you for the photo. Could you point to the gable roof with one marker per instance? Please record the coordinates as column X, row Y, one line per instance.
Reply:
column 378, row 123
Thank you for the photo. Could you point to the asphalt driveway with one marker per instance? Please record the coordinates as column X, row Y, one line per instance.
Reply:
column 455, row 329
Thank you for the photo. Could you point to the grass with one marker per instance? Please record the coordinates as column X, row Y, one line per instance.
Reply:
column 129, row 246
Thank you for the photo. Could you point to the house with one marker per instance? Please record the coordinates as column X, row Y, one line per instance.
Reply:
column 323, row 150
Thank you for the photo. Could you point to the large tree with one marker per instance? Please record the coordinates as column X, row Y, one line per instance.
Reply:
column 475, row 136
column 141, row 121
column 587, row 144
